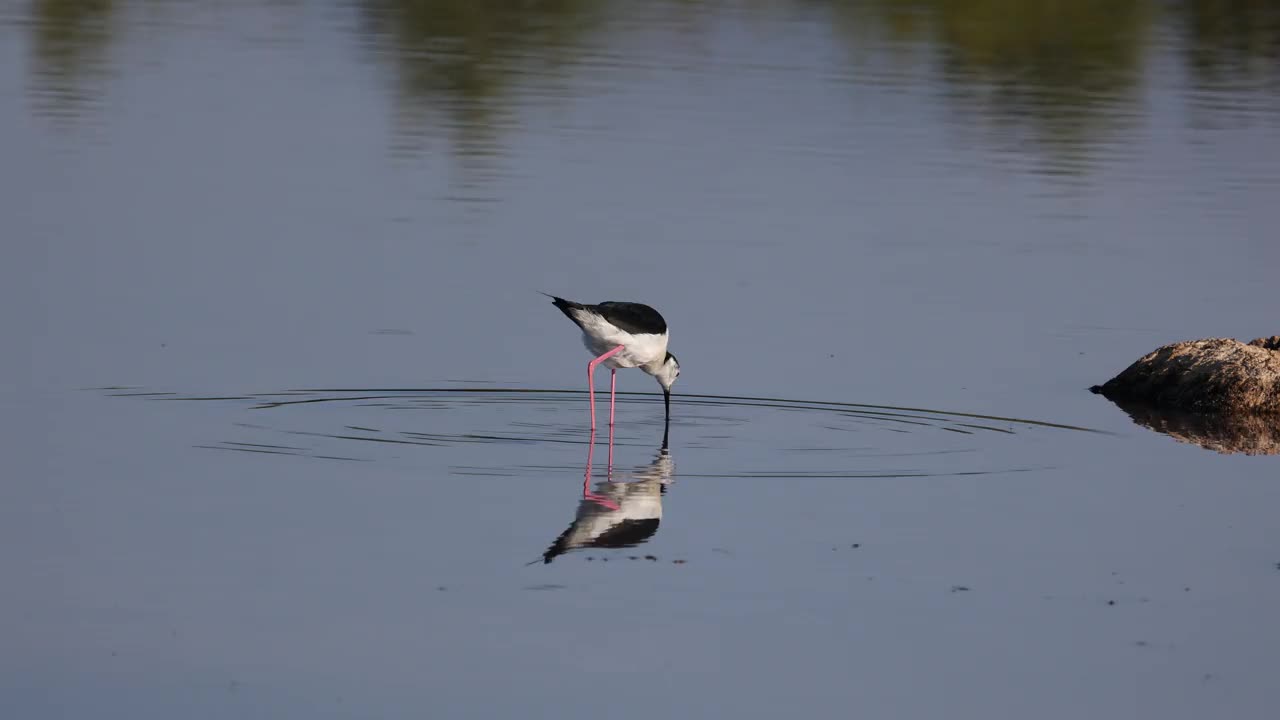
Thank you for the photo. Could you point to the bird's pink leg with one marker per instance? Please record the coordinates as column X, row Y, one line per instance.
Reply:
column 613, row 386
column 591, row 377
column 587, row 494
column 610, row 451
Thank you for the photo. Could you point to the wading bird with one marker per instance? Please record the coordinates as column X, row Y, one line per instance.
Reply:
column 623, row 335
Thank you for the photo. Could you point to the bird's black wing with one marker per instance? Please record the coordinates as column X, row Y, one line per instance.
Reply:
column 624, row 534
column 628, row 533
column 634, row 318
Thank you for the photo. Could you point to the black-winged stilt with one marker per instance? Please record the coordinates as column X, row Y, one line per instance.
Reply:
column 623, row 335
column 620, row 513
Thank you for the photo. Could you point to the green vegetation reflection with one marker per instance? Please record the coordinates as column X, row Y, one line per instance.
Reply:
column 1058, row 71
column 69, row 44
column 457, row 62
column 1231, row 44
column 1063, row 74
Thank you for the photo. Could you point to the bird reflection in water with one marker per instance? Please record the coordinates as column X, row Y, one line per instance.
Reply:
column 622, row 511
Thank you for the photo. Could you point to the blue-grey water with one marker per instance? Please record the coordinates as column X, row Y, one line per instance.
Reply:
column 289, row 431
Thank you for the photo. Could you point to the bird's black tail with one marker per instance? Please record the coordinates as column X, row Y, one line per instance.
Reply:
column 565, row 306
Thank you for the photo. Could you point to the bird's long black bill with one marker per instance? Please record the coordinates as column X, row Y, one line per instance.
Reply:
column 666, row 425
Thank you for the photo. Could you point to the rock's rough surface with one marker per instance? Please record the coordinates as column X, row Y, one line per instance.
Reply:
column 1217, row 375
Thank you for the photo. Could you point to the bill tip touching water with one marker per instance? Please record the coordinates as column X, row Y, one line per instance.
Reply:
column 623, row 335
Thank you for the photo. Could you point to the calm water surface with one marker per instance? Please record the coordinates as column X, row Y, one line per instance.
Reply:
column 292, row 434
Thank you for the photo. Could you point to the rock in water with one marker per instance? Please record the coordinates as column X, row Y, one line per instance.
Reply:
column 1217, row 375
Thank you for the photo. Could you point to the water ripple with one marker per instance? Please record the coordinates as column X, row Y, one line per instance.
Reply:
column 515, row 432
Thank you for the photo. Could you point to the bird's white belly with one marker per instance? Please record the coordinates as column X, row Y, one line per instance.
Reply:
column 639, row 349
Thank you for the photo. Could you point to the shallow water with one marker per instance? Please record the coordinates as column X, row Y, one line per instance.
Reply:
column 291, row 433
